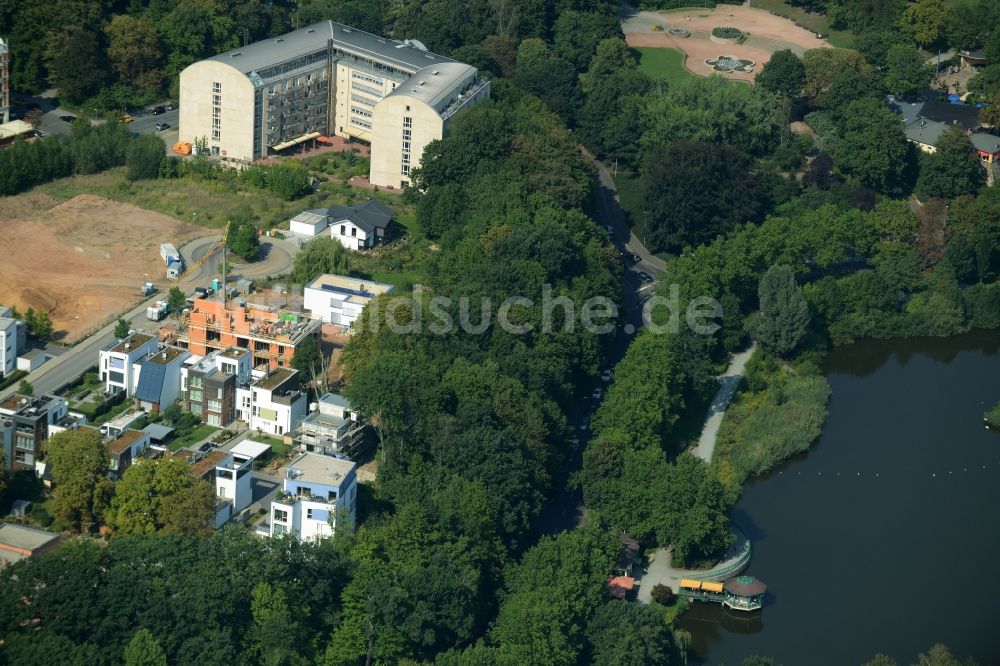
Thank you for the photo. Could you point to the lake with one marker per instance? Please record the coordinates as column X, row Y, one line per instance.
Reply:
column 884, row 536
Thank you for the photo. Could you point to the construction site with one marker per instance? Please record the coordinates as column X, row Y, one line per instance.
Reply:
column 83, row 261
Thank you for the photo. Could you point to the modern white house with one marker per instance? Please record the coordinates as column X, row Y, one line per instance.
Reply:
column 233, row 487
column 333, row 427
column 319, row 492
column 336, row 299
column 12, row 339
column 273, row 404
column 117, row 364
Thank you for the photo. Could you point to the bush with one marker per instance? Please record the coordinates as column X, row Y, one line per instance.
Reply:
column 992, row 417
column 727, row 33
column 662, row 594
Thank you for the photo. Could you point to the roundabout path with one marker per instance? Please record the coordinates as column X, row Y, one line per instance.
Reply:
column 277, row 258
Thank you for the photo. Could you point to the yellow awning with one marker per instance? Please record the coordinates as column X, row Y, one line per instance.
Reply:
column 296, row 141
column 711, row 587
column 690, row 584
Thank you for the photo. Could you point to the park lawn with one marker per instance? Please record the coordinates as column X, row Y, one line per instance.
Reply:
column 192, row 437
column 842, row 39
column 662, row 64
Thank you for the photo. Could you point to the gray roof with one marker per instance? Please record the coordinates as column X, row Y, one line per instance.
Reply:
column 26, row 538
column 987, row 143
column 336, row 400
column 370, row 215
column 916, row 127
column 946, row 112
column 434, row 84
column 259, row 55
column 157, row 431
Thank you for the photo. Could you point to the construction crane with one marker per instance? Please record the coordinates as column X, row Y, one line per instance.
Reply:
column 211, row 251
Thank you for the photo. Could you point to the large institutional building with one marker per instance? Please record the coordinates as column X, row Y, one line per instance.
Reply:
column 327, row 79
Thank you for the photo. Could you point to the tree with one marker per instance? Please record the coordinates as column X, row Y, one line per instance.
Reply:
column 695, row 191
column 79, row 462
column 953, row 169
column 545, row 74
column 823, row 66
column 663, row 594
column 624, row 634
column 906, row 73
column 144, row 650
column 577, row 34
column 25, row 388
column 784, row 74
column 318, row 256
column 144, row 155
column 712, row 110
column 122, row 328
column 243, row 241
column 990, row 114
column 873, row 147
column 783, row 319
column 39, row 324
column 308, row 359
column 276, row 635
column 134, row 51
column 161, row 495
column 924, row 20
column 861, row 16
column 74, row 59
column 176, row 301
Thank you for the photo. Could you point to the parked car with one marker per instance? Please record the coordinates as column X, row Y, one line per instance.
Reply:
column 170, row 107
column 161, row 126
column 157, row 110
column 606, row 376
column 645, row 277
column 632, row 257
column 67, row 119
column 598, row 392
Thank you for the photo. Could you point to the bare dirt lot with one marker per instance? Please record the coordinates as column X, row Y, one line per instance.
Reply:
column 81, row 260
column 766, row 32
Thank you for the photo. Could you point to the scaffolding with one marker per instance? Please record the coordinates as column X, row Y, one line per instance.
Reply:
column 4, row 81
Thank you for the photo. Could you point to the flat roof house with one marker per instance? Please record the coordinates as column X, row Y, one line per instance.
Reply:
column 357, row 227
column 318, row 492
column 273, row 403
column 115, row 364
column 326, row 79
column 13, row 334
column 208, row 385
column 124, row 449
column 18, row 542
column 337, row 299
column 31, row 419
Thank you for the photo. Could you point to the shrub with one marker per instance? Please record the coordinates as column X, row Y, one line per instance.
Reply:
column 727, row 33
column 993, row 416
column 662, row 594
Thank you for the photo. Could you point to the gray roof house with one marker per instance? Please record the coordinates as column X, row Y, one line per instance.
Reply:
column 357, row 227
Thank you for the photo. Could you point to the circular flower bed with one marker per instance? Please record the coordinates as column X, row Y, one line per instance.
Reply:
column 680, row 32
column 730, row 64
column 727, row 33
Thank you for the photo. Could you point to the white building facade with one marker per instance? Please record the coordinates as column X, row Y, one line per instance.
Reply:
column 319, row 493
column 12, row 339
column 273, row 403
column 117, row 364
column 337, row 299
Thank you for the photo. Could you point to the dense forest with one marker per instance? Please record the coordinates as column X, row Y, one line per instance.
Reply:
column 806, row 239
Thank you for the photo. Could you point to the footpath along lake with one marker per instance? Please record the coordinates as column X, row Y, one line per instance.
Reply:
column 885, row 535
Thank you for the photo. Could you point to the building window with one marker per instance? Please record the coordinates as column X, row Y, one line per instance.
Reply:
column 281, row 516
column 216, row 135
column 407, row 121
column 309, row 514
column 195, row 382
column 354, row 231
column 343, row 230
column 215, row 405
column 361, row 123
column 194, row 395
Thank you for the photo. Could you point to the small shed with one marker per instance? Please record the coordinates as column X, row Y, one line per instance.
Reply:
column 158, row 434
column 31, row 360
column 987, row 146
column 309, row 223
column 18, row 542
column 249, row 449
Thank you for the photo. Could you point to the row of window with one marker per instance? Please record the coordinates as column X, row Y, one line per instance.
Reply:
column 361, row 123
column 216, row 111
column 362, row 100
column 366, row 89
column 407, row 135
column 369, row 79
column 361, row 112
